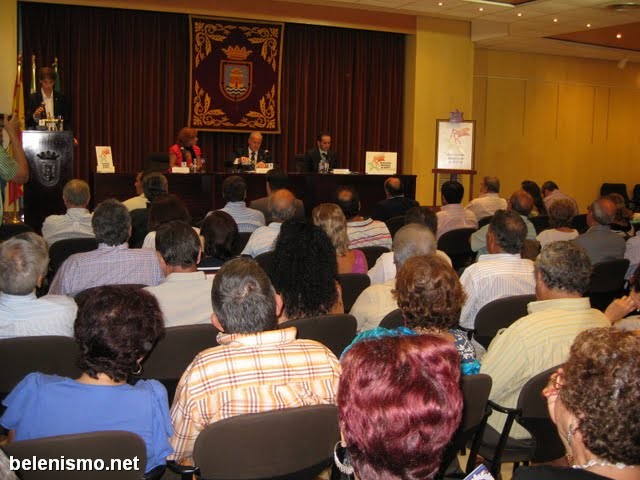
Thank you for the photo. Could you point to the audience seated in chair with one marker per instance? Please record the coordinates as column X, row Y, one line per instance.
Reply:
column 378, row 300
column 396, row 429
column 116, row 327
column 304, row 273
column 541, row 339
column 140, row 200
column 23, row 266
column 489, row 201
column 599, row 241
column 551, row 193
column 452, row 215
column 154, row 184
column 533, row 189
column 234, row 192
column 593, row 400
column 77, row 221
column 256, row 368
column 500, row 273
column 276, row 179
column 113, row 262
column 331, row 219
column 395, row 203
column 184, row 294
column 362, row 231
column 618, row 311
column 219, row 233
column 560, row 218
column 282, row 208
column 622, row 221
column 165, row 209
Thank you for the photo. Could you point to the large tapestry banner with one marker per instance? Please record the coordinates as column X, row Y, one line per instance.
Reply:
column 235, row 75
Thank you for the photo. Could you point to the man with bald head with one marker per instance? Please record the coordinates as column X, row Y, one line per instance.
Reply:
column 489, row 201
column 281, row 208
column 395, row 204
column 600, row 242
column 249, row 157
column 520, row 202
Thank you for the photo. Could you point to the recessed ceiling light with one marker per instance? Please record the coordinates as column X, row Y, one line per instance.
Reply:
column 481, row 9
column 555, row 20
column 588, row 25
column 519, row 14
column 440, row 4
column 619, row 35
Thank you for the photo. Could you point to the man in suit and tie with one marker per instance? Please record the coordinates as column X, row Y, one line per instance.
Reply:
column 321, row 159
column 250, row 157
column 46, row 102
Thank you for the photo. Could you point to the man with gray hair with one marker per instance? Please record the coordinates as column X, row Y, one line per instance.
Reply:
column 76, row 223
column 113, row 262
column 377, row 300
column 256, row 367
column 541, row 339
column 281, row 208
column 23, row 266
column 489, row 201
column 599, row 241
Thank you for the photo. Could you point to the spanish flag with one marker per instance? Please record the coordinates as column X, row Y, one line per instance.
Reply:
column 17, row 108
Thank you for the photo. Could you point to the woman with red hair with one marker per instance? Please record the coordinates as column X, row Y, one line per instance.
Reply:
column 399, row 404
column 185, row 150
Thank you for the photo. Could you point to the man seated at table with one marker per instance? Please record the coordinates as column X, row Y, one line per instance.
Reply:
column 249, row 158
column 321, row 159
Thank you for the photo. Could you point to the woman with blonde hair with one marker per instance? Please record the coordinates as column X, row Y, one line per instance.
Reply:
column 330, row 218
column 185, row 150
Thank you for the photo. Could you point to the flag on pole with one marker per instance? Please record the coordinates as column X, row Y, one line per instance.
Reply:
column 17, row 108
column 57, row 87
column 33, row 74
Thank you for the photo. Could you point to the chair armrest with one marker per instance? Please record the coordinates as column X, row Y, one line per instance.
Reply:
column 511, row 413
column 186, row 471
column 156, row 473
column 505, row 410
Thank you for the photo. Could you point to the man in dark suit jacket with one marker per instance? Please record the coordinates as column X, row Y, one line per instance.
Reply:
column 250, row 157
column 40, row 102
column 314, row 158
column 276, row 180
column 395, row 204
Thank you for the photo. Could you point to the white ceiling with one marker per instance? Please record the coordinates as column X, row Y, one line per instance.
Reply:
column 500, row 27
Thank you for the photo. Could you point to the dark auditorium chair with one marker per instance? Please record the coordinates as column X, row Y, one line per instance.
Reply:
column 475, row 393
column 635, row 199
column 158, row 162
column 392, row 319
column 20, row 356
column 334, row 331
column 84, row 294
column 455, row 244
column 607, row 282
column 173, row 353
column 394, row 224
column 579, row 223
column 484, row 221
column 10, row 230
column 352, row 285
column 532, row 413
column 241, row 242
column 499, row 314
column 62, row 249
column 530, row 249
column 372, row 254
column 540, row 223
column 265, row 260
column 619, row 188
column 291, row 443
column 111, row 447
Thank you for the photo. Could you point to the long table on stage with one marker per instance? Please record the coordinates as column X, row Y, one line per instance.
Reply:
column 203, row 192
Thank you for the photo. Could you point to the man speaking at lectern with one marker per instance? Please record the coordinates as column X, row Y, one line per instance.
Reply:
column 46, row 102
column 321, row 159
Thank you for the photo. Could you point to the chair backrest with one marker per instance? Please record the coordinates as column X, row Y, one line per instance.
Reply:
column 9, row 230
column 372, row 254
column 62, row 249
column 241, row 242
column 47, row 354
column 109, row 449
column 394, row 224
column 265, row 260
column 353, row 284
column 392, row 319
column 579, row 223
column 157, row 161
column 535, row 418
column 455, row 244
column 475, row 392
column 607, row 282
column 540, row 222
column 484, row 221
column 499, row 314
column 173, row 353
column 335, row 331
column 268, row 445
column 619, row 188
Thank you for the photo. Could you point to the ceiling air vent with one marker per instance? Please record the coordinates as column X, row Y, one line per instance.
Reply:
column 623, row 6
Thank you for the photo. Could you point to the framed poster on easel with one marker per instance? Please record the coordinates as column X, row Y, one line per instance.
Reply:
column 455, row 142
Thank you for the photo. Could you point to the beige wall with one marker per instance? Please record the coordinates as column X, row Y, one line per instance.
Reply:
column 439, row 64
column 8, row 55
column 544, row 117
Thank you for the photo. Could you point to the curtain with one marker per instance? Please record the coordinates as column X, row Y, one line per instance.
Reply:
column 126, row 73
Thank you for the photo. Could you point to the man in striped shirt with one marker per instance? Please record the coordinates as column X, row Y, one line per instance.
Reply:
column 256, row 368
column 234, row 191
column 542, row 339
column 362, row 232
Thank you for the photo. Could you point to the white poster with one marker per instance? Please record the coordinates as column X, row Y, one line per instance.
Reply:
column 454, row 150
column 105, row 160
column 381, row 163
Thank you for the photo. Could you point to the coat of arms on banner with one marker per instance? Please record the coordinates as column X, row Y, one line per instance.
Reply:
column 235, row 75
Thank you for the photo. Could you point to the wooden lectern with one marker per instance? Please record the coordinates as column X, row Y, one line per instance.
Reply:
column 50, row 158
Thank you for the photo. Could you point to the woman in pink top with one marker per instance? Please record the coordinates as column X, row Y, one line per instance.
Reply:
column 330, row 218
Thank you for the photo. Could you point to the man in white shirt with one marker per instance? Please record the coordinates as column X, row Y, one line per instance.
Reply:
column 377, row 300
column 140, row 200
column 185, row 295
column 282, row 208
column 23, row 266
column 76, row 223
column 452, row 215
column 489, row 201
column 250, row 157
column 500, row 273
